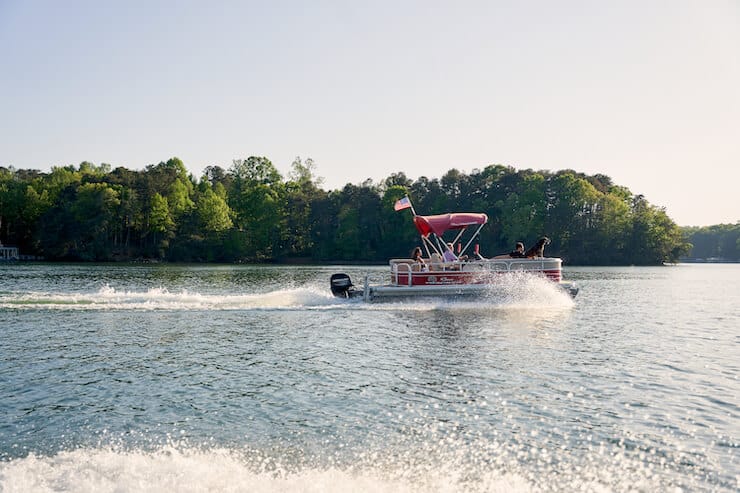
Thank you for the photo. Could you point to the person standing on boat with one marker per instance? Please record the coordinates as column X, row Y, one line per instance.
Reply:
column 517, row 253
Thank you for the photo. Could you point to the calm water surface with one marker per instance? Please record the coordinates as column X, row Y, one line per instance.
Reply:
column 253, row 378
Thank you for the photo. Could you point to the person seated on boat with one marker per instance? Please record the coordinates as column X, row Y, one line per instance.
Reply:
column 436, row 262
column 517, row 253
column 449, row 255
column 419, row 263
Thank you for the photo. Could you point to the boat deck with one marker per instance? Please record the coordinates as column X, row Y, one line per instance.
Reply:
column 406, row 272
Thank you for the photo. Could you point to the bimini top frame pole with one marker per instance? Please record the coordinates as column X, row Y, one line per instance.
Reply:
column 439, row 224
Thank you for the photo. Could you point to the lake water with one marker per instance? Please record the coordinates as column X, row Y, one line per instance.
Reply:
column 253, row 378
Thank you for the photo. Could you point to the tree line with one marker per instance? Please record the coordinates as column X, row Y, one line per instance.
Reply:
column 251, row 213
column 717, row 242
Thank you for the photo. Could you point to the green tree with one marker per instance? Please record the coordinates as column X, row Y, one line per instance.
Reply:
column 179, row 199
column 257, row 200
column 720, row 241
column 301, row 192
column 161, row 224
column 571, row 204
column 611, row 224
column 398, row 235
column 34, row 207
column 527, row 209
column 654, row 238
column 213, row 211
column 358, row 222
column 94, row 210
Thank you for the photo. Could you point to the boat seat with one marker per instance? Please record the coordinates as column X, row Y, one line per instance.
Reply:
column 435, row 262
column 402, row 264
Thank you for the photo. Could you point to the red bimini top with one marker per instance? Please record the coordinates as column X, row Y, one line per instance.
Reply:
column 443, row 222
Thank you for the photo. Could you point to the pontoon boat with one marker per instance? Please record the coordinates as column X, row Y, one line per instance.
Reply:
column 467, row 275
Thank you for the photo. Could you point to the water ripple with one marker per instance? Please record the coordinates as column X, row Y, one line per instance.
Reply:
column 174, row 377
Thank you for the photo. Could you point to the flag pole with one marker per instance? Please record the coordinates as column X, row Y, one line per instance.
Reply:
column 412, row 206
column 404, row 203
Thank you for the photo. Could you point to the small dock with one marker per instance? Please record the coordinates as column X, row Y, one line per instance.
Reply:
column 8, row 253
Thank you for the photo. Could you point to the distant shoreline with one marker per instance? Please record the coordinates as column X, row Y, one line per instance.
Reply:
column 707, row 261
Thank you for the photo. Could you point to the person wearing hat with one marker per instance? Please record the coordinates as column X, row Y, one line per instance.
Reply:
column 449, row 254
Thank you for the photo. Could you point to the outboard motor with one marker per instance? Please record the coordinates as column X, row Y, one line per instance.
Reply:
column 341, row 285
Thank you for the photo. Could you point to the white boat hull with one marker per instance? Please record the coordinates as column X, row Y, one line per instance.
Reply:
column 386, row 292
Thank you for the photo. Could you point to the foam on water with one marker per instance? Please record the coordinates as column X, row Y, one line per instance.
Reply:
column 109, row 298
column 222, row 469
column 511, row 293
column 219, row 470
column 519, row 291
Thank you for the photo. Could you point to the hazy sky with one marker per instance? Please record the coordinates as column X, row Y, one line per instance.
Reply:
column 647, row 92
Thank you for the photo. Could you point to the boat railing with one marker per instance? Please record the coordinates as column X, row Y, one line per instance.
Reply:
column 402, row 266
column 408, row 268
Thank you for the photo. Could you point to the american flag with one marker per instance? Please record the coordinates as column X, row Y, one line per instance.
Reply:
column 401, row 204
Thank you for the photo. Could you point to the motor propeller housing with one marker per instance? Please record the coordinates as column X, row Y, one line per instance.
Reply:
column 341, row 285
